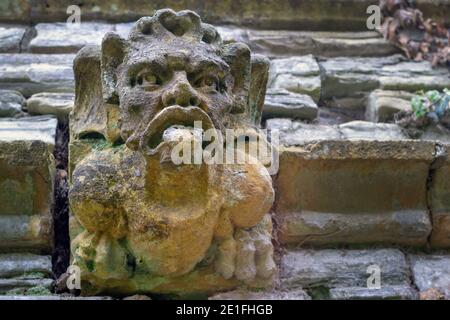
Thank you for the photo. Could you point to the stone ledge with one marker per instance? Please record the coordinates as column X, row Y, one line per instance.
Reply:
column 33, row 73
column 342, row 268
column 283, row 14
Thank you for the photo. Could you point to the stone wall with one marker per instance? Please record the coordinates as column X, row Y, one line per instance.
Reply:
column 277, row 14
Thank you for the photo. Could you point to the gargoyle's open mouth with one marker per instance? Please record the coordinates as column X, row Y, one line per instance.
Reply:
column 168, row 117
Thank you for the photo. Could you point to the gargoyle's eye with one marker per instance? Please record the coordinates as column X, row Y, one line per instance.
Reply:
column 210, row 82
column 148, row 80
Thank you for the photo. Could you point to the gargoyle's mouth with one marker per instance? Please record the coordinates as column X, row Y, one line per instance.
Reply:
column 168, row 117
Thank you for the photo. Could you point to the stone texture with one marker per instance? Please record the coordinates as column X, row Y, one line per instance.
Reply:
column 357, row 77
column 282, row 43
column 40, row 128
column 15, row 265
column 241, row 294
column 67, row 37
column 382, row 105
column 431, row 272
column 11, row 103
column 181, row 229
column 282, row 103
column 402, row 292
column 342, row 268
column 296, row 74
column 33, row 73
column 14, row 38
column 439, row 195
column 21, row 286
column 58, row 104
column 356, row 183
column 50, row 297
column 284, row 14
column 26, row 183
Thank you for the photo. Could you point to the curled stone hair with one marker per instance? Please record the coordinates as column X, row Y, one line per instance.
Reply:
column 168, row 23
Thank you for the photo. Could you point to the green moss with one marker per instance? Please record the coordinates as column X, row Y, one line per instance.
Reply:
column 33, row 275
column 33, row 291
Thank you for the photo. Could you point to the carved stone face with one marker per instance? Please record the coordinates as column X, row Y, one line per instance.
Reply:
column 148, row 223
column 173, row 70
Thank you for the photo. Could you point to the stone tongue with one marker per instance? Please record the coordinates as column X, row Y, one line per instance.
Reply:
column 178, row 133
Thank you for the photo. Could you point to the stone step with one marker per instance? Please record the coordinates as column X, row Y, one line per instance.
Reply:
column 14, row 38
column 22, row 286
column 286, row 14
column 358, row 183
column 348, row 274
column 26, row 183
column 347, row 81
column 402, row 292
column 24, row 265
column 69, row 38
column 241, row 294
column 34, row 73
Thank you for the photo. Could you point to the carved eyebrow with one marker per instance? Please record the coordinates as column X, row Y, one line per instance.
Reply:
column 209, row 64
column 154, row 65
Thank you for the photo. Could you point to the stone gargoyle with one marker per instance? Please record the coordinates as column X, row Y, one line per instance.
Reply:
column 139, row 222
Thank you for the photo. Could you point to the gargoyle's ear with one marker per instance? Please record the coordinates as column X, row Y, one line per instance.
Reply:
column 113, row 52
column 237, row 55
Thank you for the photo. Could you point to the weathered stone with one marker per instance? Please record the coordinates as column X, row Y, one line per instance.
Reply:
column 342, row 268
column 357, row 183
column 40, row 128
column 284, row 14
column 282, row 103
column 67, row 37
column 137, row 297
column 51, row 297
column 22, row 285
column 24, row 265
column 58, row 104
column 431, row 272
column 362, row 130
column 382, row 105
column 33, row 73
column 351, row 77
column 144, row 223
column 14, row 38
column 402, row 292
column 296, row 74
column 277, row 43
column 14, row 11
column 11, row 103
column 297, row 294
column 26, row 182
column 439, row 195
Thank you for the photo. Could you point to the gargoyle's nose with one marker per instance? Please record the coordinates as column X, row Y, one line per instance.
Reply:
column 180, row 93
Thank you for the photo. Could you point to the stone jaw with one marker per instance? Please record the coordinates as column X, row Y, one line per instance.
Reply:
column 139, row 224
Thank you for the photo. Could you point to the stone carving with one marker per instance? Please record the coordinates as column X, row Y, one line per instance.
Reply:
column 141, row 223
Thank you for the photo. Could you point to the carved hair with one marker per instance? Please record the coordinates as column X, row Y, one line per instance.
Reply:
column 167, row 23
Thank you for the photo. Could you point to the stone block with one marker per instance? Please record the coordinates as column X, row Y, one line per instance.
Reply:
column 431, row 272
column 11, row 103
column 33, row 73
column 282, row 103
column 26, row 183
column 382, row 105
column 58, row 104
column 357, row 183
column 296, row 74
column 342, row 268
